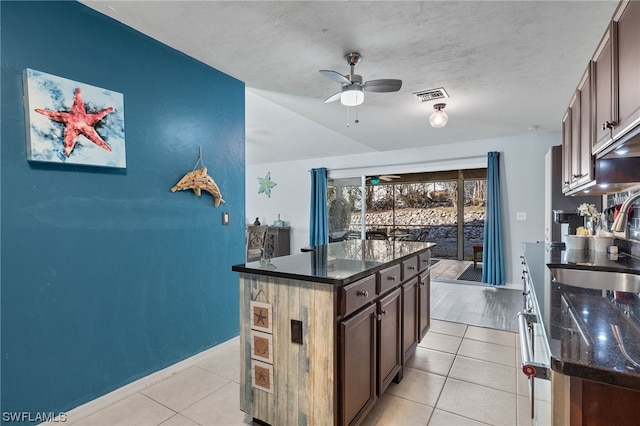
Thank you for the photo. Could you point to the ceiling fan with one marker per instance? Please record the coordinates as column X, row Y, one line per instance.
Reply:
column 375, row 180
column 352, row 91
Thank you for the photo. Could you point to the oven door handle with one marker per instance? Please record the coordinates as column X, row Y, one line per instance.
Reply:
column 529, row 367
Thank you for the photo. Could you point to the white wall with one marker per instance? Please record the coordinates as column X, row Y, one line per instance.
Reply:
column 521, row 175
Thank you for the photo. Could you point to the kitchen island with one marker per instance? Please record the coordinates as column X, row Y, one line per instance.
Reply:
column 589, row 307
column 324, row 332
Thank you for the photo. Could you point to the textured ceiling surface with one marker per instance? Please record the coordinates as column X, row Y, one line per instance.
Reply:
column 507, row 66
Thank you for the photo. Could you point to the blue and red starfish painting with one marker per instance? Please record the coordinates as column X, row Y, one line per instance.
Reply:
column 71, row 122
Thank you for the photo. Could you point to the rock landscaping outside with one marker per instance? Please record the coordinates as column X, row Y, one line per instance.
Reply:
column 437, row 224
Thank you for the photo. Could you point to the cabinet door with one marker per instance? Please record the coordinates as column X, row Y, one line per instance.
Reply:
column 389, row 343
column 603, row 83
column 410, row 318
column 586, row 167
column 627, row 28
column 358, row 365
column 566, row 151
column 574, row 107
column 424, row 304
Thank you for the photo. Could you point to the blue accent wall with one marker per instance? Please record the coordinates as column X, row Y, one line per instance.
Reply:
column 107, row 276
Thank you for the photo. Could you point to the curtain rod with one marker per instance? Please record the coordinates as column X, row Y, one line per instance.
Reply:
column 413, row 163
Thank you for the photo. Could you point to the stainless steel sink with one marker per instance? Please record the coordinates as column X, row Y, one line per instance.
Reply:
column 589, row 278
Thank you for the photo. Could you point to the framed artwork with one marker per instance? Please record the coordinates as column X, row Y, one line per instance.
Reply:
column 262, row 376
column 261, row 316
column 262, row 346
column 72, row 122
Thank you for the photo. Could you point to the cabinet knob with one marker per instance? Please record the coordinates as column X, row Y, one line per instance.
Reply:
column 364, row 293
column 412, row 268
column 391, row 278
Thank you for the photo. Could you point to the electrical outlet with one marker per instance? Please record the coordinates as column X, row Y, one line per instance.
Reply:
column 296, row 331
column 521, row 216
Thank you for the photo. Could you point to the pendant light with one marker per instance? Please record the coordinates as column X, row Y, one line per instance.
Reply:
column 438, row 118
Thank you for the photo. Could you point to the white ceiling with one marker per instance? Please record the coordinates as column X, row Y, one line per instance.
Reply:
column 508, row 66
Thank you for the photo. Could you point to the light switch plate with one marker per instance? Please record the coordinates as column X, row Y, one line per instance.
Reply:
column 521, row 216
column 225, row 218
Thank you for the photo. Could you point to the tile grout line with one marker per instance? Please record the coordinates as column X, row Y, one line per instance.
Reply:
column 435, row 406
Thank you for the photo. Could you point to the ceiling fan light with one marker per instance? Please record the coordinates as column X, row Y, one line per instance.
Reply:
column 438, row 118
column 375, row 180
column 352, row 95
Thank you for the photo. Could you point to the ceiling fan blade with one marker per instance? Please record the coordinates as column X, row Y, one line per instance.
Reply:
column 333, row 97
column 389, row 177
column 384, row 85
column 335, row 76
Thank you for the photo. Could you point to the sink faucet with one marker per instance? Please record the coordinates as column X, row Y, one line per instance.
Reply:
column 619, row 227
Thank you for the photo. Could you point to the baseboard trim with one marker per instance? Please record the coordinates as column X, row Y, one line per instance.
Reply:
column 119, row 394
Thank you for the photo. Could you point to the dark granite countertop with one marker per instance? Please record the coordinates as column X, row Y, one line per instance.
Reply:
column 593, row 333
column 337, row 263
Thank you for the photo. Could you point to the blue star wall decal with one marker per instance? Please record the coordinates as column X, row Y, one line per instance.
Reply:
column 266, row 184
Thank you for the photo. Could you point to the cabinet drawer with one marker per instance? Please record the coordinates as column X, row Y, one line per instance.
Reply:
column 358, row 294
column 409, row 268
column 424, row 260
column 389, row 278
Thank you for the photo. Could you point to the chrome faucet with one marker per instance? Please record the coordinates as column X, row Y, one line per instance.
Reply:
column 619, row 227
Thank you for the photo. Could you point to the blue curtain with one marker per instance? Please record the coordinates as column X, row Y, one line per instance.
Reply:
column 319, row 222
column 493, row 252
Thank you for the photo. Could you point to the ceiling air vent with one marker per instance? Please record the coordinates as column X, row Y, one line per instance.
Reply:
column 432, row 94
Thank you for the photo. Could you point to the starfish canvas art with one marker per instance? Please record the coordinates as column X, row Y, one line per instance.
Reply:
column 71, row 122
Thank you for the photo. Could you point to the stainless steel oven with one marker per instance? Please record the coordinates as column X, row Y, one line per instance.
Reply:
column 534, row 347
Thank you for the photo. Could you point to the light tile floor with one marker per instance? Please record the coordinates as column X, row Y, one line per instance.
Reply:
column 460, row 375
column 448, row 269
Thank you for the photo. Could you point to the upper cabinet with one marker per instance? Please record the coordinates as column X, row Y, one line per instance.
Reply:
column 617, row 77
column 626, row 24
column 577, row 137
column 603, row 90
column 604, row 112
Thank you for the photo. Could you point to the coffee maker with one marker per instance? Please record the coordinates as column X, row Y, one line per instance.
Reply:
column 569, row 222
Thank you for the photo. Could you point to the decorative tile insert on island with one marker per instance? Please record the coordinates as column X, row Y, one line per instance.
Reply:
column 344, row 320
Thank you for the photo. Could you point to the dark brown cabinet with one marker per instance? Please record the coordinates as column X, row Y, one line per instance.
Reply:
column 605, row 109
column 626, row 24
column 358, row 364
column 410, row 295
column 390, row 338
column 579, row 172
column 376, row 342
column 566, row 151
column 424, row 304
column 616, row 81
column 603, row 87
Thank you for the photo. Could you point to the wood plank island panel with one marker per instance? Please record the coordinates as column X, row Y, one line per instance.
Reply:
column 303, row 374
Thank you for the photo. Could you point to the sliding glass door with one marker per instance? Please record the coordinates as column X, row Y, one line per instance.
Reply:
column 417, row 207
